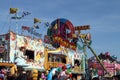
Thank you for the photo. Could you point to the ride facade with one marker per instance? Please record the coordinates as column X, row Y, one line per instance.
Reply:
column 57, row 50
column 62, row 50
column 111, row 64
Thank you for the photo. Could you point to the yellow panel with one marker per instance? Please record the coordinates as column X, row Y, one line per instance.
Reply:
column 6, row 64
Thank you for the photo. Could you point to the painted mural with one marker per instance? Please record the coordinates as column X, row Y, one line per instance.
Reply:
column 33, row 47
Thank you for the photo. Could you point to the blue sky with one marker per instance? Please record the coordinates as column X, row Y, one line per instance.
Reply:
column 103, row 16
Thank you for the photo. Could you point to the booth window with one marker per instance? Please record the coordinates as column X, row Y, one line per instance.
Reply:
column 76, row 61
column 63, row 60
column 56, row 58
column 30, row 54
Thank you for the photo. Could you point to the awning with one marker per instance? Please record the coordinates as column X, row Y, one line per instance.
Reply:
column 31, row 68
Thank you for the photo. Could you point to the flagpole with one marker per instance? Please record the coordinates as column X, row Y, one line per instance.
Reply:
column 16, row 24
column 16, row 32
column 21, row 30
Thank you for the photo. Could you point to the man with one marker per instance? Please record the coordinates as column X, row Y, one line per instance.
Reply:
column 22, row 76
column 13, row 73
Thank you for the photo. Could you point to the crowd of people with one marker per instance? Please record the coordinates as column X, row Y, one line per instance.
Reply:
column 8, row 74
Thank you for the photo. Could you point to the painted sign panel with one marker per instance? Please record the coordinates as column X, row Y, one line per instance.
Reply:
column 33, row 46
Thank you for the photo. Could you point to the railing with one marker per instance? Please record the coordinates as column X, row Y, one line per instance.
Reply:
column 55, row 64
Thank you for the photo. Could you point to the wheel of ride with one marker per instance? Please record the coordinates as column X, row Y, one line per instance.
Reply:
column 61, row 27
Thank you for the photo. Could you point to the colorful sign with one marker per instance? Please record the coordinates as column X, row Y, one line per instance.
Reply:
column 61, row 32
column 63, row 42
column 35, row 45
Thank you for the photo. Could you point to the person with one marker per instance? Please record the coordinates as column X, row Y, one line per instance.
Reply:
column 95, row 78
column 13, row 72
column 13, row 36
column 43, row 76
column 20, row 56
column 34, row 74
column 22, row 76
column 1, row 76
column 37, row 58
column 55, row 77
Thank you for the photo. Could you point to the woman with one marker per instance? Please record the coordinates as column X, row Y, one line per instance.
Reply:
column 20, row 56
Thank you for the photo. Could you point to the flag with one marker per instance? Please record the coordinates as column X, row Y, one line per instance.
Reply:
column 36, row 20
column 13, row 10
column 36, row 26
column 25, row 13
column 25, row 28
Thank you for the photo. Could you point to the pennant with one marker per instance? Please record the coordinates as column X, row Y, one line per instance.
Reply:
column 25, row 13
column 15, row 17
column 7, row 37
column 13, row 10
column 47, row 39
column 46, row 24
column 32, row 31
column 36, row 26
column 25, row 28
column 37, row 20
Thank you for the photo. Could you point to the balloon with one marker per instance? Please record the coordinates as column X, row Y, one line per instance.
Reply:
column 43, row 76
column 51, row 73
column 68, row 66
column 68, row 71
